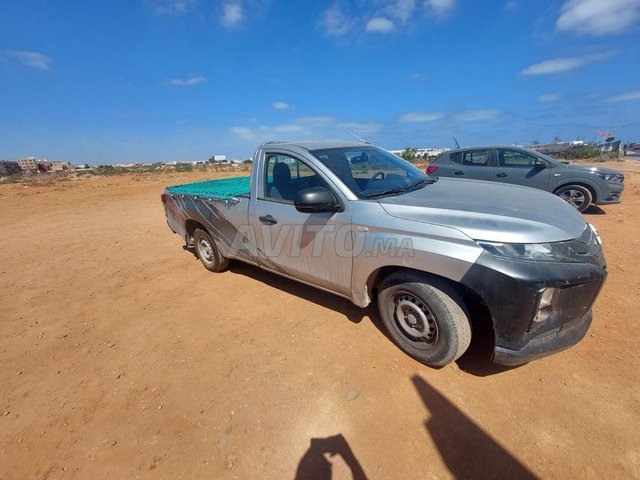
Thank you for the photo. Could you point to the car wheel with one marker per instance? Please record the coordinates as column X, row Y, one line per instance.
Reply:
column 576, row 196
column 424, row 317
column 208, row 252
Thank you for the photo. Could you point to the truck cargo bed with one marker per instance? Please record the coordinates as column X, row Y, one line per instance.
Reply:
column 224, row 188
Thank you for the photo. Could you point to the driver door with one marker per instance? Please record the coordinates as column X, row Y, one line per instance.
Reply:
column 311, row 247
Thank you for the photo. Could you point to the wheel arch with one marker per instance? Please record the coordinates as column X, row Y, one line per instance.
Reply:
column 482, row 320
column 190, row 227
column 580, row 183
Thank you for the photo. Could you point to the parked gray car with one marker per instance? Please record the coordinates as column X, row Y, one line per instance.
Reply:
column 580, row 185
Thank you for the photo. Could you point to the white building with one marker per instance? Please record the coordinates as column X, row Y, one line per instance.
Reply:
column 421, row 152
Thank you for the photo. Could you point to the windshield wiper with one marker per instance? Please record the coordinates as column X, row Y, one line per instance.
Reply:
column 381, row 193
column 400, row 191
column 421, row 183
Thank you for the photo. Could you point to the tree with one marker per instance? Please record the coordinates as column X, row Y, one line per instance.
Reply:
column 410, row 154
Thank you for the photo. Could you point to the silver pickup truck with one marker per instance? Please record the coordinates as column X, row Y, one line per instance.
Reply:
column 357, row 221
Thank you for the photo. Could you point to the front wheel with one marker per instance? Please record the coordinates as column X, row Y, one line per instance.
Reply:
column 208, row 252
column 424, row 317
column 576, row 196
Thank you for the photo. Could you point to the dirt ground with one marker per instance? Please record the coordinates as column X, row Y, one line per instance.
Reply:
column 122, row 357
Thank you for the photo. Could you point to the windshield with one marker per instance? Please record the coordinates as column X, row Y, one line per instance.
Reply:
column 370, row 171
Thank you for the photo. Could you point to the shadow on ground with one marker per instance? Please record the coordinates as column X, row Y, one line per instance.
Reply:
column 594, row 210
column 465, row 448
column 315, row 466
column 302, row 291
column 476, row 360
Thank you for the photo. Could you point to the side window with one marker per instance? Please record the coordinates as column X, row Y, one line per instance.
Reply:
column 456, row 157
column 476, row 158
column 517, row 159
column 285, row 176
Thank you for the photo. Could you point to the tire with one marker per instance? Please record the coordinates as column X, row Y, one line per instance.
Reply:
column 208, row 252
column 577, row 196
column 435, row 329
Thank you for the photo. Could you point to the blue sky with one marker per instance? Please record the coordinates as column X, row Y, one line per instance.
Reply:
column 164, row 80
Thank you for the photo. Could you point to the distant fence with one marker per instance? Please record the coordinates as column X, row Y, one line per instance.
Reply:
column 564, row 147
column 609, row 147
column 552, row 148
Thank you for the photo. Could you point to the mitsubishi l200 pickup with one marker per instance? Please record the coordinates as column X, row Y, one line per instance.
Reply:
column 360, row 222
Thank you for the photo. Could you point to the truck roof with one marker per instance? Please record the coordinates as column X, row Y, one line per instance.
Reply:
column 316, row 144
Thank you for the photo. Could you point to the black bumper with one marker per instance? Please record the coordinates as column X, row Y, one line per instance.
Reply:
column 511, row 291
column 546, row 344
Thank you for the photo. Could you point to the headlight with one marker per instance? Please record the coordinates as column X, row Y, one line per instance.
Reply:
column 611, row 177
column 545, row 252
column 595, row 234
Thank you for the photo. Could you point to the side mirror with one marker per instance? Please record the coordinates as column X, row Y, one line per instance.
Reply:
column 316, row 200
column 541, row 164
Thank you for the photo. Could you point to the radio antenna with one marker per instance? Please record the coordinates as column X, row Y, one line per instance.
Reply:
column 457, row 144
column 349, row 131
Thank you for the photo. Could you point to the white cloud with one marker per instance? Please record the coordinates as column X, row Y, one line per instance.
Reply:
column 561, row 65
column 402, row 10
column 290, row 128
column 316, row 121
column 439, row 8
column 336, row 23
column 421, row 116
column 549, row 97
column 280, row 105
column 478, row 115
column 363, row 127
column 172, row 7
column 346, row 17
column 243, row 132
column 380, row 25
column 598, row 17
column 511, row 5
column 191, row 80
column 319, row 126
column 556, row 65
column 626, row 97
column 32, row 59
column 232, row 14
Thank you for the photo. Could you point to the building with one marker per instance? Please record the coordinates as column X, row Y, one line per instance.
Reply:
column 59, row 166
column 28, row 164
column 423, row 152
column 8, row 168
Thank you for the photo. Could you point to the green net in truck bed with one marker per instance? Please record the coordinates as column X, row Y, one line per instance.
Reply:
column 221, row 189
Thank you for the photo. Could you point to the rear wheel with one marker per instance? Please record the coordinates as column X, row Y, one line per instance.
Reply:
column 208, row 252
column 576, row 196
column 424, row 317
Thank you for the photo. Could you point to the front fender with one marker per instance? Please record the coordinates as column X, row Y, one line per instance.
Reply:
column 434, row 249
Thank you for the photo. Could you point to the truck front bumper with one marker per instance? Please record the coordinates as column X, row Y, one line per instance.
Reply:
column 545, row 344
column 512, row 292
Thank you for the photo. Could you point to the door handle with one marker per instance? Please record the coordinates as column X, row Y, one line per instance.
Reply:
column 502, row 175
column 458, row 172
column 268, row 220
